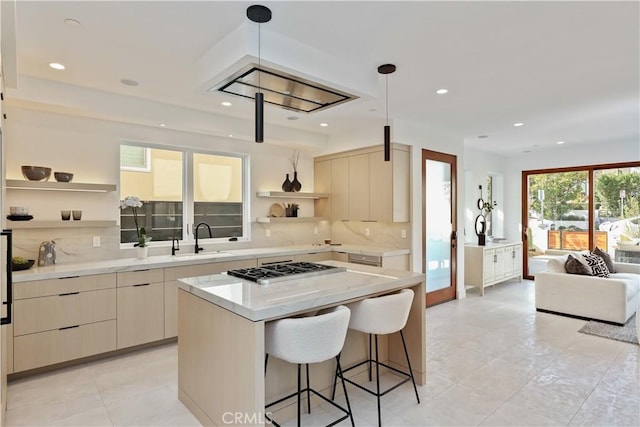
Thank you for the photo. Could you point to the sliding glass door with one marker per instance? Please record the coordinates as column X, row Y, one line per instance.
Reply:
column 574, row 209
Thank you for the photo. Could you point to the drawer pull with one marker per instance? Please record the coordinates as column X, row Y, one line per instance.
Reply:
column 69, row 327
column 144, row 269
column 68, row 277
column 141, row 284
column 68, row 293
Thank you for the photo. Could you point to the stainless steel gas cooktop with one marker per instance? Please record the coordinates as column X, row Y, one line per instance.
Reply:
column 268, row 274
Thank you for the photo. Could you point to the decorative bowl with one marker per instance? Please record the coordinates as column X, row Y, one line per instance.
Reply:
column 22, row 266
column 36, row 173
column 63, row 176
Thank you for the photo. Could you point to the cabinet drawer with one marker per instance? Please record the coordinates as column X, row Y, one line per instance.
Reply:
column 140, row 314
column 175, row 273
column 129, row 278
column 46, row 348
column 47, row 313
column 320, row 256
column 42, row 288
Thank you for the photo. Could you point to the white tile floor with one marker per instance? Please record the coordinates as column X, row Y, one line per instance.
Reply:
column 491, row 361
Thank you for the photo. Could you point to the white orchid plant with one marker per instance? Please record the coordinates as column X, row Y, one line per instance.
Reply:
column 134, row 203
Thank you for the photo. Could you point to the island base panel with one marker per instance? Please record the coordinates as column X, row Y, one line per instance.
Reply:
column 220, row 362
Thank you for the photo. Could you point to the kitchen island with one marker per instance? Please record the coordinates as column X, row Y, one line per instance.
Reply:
column 221, row 323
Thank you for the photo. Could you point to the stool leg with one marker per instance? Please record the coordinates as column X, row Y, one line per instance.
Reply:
column 335, row 380
column 308, row 392
column 369, row 358
column 344, row 388
column 299, row 380
column 378, row 384
column 406, row 353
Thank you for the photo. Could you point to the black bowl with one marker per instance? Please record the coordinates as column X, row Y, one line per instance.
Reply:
column 63, row 176
column 36, row 173
column 19, row 267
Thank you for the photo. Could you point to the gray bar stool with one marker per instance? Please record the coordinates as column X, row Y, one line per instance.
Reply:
column 307, row 340
column 380, row 316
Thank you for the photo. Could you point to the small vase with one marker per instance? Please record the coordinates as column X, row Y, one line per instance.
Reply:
column 286, row 185
column 142, row 252
column 295, row 184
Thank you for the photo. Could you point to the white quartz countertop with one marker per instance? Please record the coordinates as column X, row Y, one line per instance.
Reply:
column 133, row 264
column 265, row 302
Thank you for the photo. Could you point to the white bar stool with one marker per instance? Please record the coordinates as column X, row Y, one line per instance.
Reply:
column 380, row 316
column 309, row 340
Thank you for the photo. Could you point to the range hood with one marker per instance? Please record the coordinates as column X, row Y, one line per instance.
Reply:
column 284, row 90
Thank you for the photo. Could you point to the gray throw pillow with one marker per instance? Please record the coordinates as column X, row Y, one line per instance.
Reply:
column 607, row 259
column 598, row 267
column 573, row 266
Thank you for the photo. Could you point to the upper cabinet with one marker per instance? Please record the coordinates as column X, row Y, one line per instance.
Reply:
column 363, row 187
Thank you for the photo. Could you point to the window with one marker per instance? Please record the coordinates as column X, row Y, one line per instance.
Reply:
column 133, row 158
column 214, row 193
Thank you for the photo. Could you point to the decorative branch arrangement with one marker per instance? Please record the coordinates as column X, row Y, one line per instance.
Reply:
column 295, row 157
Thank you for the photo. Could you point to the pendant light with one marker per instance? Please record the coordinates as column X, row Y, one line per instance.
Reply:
column 387, row 69
column 260, row 14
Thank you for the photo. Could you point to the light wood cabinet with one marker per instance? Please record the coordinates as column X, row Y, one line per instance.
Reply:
column 340, row 256
column 140, row 307
column 57, row 320
column 396, row 262
column 363, row 187
column 313, row 257
column 322, row 183
column 494, row 263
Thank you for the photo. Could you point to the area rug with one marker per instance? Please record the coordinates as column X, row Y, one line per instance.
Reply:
column 625, row 333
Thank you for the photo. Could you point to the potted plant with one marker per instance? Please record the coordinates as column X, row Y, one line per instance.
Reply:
column 143, row 240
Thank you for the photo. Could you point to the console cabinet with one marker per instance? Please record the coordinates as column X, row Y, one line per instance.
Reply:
column 491, row 264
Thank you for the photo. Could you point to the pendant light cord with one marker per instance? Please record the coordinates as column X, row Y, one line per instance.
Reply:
column 387, row 98
column 259, row 62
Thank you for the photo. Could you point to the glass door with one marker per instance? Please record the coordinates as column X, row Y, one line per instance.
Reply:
column 439, row 239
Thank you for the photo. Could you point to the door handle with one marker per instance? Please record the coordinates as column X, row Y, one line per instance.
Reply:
column 7, row 320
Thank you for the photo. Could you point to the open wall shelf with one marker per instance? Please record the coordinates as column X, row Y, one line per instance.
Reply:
column 17, row 184
column 292, row 195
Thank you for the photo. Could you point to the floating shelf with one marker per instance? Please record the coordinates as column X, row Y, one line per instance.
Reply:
column 59, row 186
column 282, row 219
column 292, row 195
column 60, row 224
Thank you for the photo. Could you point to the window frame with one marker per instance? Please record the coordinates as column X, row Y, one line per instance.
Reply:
column 188, row 224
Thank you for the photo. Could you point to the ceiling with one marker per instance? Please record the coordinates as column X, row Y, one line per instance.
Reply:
column 568, row 70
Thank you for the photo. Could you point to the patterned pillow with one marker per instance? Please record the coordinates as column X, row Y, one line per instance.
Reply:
column 607, row 259
column 573, row 266
column 597, row 264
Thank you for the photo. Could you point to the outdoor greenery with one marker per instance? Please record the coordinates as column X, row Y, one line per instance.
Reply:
column 567, row 191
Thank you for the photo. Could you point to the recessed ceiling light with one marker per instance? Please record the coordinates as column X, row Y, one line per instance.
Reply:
column 129, row 82
column 560, row 142
column 226, row 103
column 324, row 125
column 72, row 22
column 483, row 136
column 292, row 118
column 56, row 66
column 518, row 124
column 442, row 91
column 162, row 125
column 230, row 135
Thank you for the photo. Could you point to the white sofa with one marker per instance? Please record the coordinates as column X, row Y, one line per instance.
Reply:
column 613, row 299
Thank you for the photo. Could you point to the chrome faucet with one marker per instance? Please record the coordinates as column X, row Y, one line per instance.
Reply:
column 198, row 248
column 175, row 247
